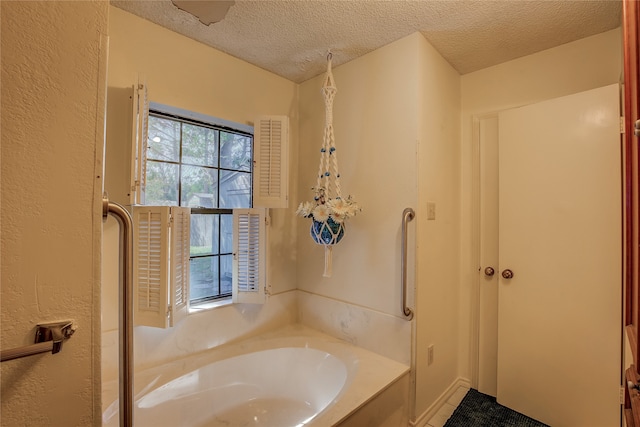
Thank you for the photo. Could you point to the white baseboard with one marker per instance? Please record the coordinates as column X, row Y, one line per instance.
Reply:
column 424, row 418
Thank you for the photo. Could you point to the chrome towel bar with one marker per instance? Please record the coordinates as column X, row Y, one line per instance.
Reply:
column 407, row 215
column 49, row 338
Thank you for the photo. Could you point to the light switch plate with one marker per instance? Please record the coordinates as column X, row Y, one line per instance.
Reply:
column 431, row 210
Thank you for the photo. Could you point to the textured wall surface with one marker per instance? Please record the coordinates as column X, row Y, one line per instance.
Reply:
column 53, row 91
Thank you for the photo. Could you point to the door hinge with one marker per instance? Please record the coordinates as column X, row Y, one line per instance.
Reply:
column 621, row 124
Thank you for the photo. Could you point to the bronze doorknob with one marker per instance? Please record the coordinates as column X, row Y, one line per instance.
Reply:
column 489, row 271
column 507, row 274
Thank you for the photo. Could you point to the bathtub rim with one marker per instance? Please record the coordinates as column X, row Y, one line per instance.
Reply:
column 372, row 375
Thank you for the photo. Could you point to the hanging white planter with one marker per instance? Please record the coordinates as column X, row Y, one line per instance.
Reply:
column 329, row 210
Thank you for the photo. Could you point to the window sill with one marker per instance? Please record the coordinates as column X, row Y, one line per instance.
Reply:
column 210, row 305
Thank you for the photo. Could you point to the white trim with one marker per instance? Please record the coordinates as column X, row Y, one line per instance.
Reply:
column 209, row 305
column 215, row 121
column 474, row 331
column 139, row 137
column 432, row 410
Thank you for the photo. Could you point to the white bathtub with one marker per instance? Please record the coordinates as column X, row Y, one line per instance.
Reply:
column 291, row 377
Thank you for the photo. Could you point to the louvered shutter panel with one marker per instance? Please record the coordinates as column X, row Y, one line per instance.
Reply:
column 160, row 264
column 179, row 263
column 139, row 137
column 271, row 162
column 249, row 261
column 150, row 265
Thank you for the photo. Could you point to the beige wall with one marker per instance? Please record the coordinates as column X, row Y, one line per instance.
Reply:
column 571, row 68
column 376, row 130
column 396, row 121
column 53, row 92
column 183, row 73
column 438, row 259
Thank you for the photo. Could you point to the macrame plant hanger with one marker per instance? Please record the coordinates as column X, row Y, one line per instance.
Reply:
column 329, row 232
column 329, row 210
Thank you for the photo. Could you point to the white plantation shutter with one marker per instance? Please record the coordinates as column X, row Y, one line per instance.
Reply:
column 150, row 265
column 139, row 136
column 179, row 263
column 271, row 162
column 160, row 264
column 249, row 264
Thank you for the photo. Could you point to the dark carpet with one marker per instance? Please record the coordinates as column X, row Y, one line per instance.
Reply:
column 481, row 410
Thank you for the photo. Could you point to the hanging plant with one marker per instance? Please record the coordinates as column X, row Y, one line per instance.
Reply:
column 328, row 216
column 329, row 210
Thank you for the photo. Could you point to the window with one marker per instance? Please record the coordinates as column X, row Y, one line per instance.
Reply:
column 205, row 167
column 193, row 172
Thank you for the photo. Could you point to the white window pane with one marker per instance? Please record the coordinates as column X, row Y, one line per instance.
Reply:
column 199, row 145
column 204, row 277
column 235, row 151
column 164, row 140
column 226, row 233
column 235, row 189
column 199, row 187
column 204, row 234
column 226, row 271
column 162, row 184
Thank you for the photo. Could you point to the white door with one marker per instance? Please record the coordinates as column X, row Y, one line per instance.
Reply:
column 559, row 316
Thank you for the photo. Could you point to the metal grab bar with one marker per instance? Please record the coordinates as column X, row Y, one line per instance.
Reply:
column 125, row 308
column 407, row 215
column 49, row 338
column 27, row 350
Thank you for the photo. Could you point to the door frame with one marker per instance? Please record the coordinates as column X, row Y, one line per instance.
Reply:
column 476, row 267
column 631, row 192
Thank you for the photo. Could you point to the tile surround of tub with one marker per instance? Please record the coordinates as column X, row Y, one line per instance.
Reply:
column 389, row 408
column 200, row 331
column 387, row 335
column 379, row 332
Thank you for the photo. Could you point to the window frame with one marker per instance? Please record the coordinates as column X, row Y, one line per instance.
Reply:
column 218, row 255
column 219, row 125
column 180, row 163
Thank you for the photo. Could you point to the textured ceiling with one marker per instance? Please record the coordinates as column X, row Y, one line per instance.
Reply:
column 291, row 38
